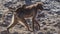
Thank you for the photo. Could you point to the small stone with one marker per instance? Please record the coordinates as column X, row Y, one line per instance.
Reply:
column 43, row 23
column 52, row 29
column 55, row 25
column 53, row 21
column 45, row 28
column 8, row 4
column 5, row 32
column 15, row 33
column 58, row 12
column 48, row 32
column 58, row 0
column 41, row 15
column 40, row 33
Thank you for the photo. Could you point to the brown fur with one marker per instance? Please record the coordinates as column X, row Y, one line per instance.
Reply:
column 25, row 12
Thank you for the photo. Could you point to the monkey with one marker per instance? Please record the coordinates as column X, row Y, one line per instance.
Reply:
column 25, row 12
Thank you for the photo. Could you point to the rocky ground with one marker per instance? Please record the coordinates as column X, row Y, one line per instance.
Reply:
column 49, row 21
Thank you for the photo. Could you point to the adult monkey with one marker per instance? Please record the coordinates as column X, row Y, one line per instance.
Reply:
column 24, row 12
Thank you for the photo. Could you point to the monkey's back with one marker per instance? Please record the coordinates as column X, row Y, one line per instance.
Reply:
column 24, row 12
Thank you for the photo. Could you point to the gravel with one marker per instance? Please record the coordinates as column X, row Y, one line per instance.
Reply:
column 49, row 18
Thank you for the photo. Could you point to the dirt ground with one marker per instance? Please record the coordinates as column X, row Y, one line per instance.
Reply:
column 49, row 22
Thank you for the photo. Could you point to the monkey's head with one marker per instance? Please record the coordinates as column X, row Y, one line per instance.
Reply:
column 40, row 5
column 24, row 6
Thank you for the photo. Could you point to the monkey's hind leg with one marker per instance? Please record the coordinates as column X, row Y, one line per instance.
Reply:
column 13, row 23
column 24, row 23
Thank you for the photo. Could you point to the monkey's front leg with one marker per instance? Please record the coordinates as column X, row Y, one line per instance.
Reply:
column 34, row 20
